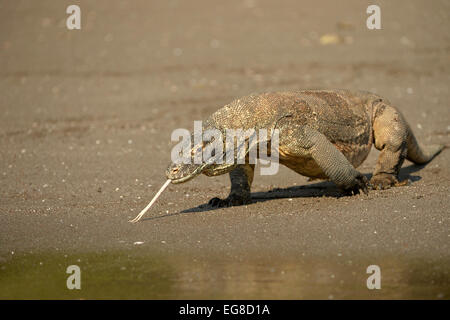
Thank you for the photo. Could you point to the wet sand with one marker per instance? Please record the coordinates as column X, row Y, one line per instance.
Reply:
column 85, row 139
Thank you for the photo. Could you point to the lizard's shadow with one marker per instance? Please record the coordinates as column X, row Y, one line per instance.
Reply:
column 320, row 189
column 324, row 188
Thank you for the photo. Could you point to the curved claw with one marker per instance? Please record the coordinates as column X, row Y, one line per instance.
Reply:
column 363, row 184
column 231, row 200
column 360, row 184
column 216, row 202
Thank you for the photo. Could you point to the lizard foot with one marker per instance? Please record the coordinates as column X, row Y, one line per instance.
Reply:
column 231, row 200
column 384, row 181
column 359, row 184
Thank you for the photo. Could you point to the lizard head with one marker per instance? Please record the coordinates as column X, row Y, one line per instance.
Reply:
column 180, row 172
column 183, row 171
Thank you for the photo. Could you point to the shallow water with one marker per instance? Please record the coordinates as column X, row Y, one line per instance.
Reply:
column 139, row 274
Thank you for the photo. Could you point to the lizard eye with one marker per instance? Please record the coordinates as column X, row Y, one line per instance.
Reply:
column 175, row 170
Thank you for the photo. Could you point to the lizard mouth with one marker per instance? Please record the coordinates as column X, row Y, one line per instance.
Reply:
column 183, row 179
column 189, row 176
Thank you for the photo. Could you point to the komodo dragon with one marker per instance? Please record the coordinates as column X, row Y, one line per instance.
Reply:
column 322, row 134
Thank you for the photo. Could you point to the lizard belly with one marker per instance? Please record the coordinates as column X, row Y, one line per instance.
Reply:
column 355, row 153
column 306, row 166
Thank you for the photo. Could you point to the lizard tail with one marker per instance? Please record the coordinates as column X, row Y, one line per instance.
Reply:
column 420, row 154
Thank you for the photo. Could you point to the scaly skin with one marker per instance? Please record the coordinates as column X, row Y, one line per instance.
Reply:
column 323, row 134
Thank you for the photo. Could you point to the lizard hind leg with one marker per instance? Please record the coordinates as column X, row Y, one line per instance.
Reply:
column 241, row 180
column 390, row 137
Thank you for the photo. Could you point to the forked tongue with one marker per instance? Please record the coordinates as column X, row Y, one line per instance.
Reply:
column 139, row 216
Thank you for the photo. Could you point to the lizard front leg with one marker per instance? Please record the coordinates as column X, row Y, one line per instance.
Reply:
column 304, row 142
column 241, row 180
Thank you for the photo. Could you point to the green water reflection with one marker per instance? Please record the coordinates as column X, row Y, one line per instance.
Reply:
column 139, row 274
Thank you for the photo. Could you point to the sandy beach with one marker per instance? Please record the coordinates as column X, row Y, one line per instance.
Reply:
column 86, row 119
